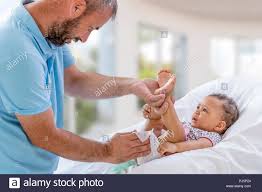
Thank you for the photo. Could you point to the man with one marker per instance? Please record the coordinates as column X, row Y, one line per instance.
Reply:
column 36, row 67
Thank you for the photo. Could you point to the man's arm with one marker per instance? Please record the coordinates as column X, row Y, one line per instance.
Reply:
column 89, row 85
column 168, row 147
column 42, row 132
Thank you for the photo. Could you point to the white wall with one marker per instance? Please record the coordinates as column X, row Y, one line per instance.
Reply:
column 198, row 31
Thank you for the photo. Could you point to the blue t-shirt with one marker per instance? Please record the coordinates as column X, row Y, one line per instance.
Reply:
column 31, row 81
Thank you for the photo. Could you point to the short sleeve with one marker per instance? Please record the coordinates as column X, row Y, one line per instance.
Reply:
column 68, row 58
column 23, row 83
column 187, row 128
column 215, row 138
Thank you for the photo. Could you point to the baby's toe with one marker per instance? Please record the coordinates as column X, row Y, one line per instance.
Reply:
column 164, row 71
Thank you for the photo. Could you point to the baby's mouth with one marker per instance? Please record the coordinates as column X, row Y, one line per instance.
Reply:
column 194, row 119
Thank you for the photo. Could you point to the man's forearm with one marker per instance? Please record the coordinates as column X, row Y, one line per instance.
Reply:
column 96, row 86
column 73, row 147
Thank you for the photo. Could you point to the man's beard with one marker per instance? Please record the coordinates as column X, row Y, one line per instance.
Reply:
column 60, row 33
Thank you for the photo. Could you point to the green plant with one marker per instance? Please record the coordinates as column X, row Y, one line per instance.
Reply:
column 86, row 115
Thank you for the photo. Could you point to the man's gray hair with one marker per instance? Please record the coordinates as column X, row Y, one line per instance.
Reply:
column 95, row 5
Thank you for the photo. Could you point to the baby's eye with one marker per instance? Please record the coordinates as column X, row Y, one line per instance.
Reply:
column 205, row 110
column 198, row 107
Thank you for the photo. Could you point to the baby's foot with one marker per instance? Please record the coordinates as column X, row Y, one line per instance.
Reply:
column 149, row 113
column 163, row 76
column 153, row 113
column 166, row 81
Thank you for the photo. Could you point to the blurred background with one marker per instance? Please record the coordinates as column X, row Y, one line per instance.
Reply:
column 198, row 40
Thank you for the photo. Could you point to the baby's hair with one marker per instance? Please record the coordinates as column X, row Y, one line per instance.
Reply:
column 231, row 114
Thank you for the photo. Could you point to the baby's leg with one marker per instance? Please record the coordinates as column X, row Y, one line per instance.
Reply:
column 151, row 124
column 170, row 118
column 156, row 125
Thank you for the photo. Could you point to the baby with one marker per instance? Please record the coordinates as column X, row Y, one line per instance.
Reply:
column 213, row 116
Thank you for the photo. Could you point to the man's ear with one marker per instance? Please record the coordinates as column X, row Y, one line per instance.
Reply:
column 77, row 8
column 221, row 127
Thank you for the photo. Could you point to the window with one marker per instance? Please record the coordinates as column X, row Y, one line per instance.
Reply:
column 161, row 49
column 250, row 58
column 155, row 52
column 239, row 56
column 223, row 57
column 98, row 56
column 6, row 7
column 81, row 114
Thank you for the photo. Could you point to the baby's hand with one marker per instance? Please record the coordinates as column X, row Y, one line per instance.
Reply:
column 153, row 113
column 167, row 147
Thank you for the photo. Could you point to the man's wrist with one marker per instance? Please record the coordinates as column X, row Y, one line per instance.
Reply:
column 132, row 85
column 107, row 148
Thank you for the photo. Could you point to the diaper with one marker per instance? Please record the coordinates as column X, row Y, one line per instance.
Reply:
column 154, row 143
column 123, row 168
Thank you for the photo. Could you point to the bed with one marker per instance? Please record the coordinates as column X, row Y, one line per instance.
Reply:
column 240, row 151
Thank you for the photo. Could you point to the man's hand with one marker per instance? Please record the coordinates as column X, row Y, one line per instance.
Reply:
column 145, row 89
column 126, row 146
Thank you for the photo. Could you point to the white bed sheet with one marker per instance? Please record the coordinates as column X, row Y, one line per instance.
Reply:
column 240, row 151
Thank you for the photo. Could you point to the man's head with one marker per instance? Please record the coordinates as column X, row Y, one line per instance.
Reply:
column 80, row 18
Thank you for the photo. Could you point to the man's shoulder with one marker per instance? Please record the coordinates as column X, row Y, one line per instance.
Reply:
column 17, row 46
column 14, row 35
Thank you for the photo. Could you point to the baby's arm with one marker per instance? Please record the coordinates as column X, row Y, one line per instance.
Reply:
column 168, row 147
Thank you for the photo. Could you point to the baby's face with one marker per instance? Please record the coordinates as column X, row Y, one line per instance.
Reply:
column 208, row 114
